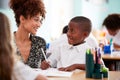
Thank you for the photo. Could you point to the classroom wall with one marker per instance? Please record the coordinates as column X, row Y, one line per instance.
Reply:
column 59, row 12
column 96, row 10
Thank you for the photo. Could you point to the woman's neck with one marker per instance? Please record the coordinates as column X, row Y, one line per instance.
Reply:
column 21, row 35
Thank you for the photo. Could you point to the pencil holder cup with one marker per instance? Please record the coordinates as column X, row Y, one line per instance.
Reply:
column 89, row 65
column 97, row 68
column 105, row 74
column 107, row 49
column 97, row 75
column 97, row 72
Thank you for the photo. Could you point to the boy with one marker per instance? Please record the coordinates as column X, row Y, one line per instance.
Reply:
column 69, row 57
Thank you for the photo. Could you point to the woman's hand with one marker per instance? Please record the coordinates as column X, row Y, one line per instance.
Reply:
column 45, row 64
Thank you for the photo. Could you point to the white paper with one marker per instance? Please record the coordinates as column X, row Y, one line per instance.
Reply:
column 115, row 53
column 54, row 72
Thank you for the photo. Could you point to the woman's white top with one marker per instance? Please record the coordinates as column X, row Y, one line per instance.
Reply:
column 23, row 72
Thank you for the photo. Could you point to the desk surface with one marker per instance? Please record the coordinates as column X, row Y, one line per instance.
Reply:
column 110, row 57
column 80, row 75
column 111, row 61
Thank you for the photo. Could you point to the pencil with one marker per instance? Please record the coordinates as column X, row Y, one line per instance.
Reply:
column 43, row 54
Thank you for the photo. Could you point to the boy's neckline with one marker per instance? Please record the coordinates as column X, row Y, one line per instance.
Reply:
column 79, row 43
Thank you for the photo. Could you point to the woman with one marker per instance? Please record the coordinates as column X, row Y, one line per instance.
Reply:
column 29, row 15
column 11, row 69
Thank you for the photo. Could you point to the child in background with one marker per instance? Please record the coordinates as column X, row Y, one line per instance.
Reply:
column 69, row 57
column 61, row 40
column 112, row 24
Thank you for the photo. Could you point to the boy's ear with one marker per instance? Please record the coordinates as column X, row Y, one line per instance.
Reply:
column 86, row 34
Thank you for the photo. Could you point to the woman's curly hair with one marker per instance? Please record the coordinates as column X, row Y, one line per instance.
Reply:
column 27, row 8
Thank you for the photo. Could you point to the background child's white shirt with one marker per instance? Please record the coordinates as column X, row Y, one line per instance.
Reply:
column 116, row 38
column 67, row 55
column 54, row 44
column 23, row 72
column 92, row 41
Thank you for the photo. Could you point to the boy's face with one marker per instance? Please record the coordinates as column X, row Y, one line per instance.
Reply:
column 75, row 34
column 113, row 33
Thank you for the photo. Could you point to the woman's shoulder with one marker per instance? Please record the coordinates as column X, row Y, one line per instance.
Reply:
column 37, row 39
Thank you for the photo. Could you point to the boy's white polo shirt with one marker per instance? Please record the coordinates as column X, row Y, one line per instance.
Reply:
column 67, row 55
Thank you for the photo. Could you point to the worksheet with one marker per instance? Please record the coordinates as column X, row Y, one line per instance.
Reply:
column 54, row 72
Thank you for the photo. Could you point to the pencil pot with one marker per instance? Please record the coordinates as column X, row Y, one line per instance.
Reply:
column 105, row 74
column 97, row 68
column 97, row 75
column 104, row 71
column 97, row 72
column 89, row 65
column 107, row 49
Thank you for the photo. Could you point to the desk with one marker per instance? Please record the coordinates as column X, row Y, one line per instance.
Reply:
column 110, row 57
column 80, row 75
column 110, row 61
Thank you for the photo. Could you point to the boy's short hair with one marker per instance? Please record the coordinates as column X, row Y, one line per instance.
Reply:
column 84, row 22
column 65, row 29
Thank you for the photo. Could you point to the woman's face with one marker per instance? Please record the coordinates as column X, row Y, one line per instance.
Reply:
column 32, row 24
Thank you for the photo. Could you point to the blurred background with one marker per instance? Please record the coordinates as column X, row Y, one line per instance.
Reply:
column 59, row 12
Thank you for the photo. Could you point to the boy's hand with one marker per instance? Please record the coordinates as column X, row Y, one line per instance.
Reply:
column 69, row 68
column 62, row 69
column 73, row 67
column 44, row 65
